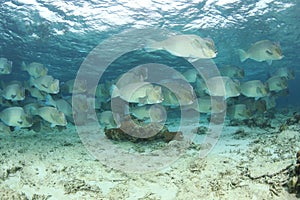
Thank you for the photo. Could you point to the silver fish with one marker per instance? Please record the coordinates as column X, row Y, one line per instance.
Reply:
column 254, row 88
column 223, row 86
column 35, row 69
column 51, row 115
column 288, row 73
column 46, row 83
column 189, row 46
column 260, row 51
column 141, row 92
column 16, row 117
column 238, row 111
column 14, row 91
column 5, row 66
column 276, row 83
column 232, row 71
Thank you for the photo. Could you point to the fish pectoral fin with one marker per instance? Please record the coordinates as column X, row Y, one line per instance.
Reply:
column 143, row 100
column 192, row 59
column 13, row 96
column 269, row 62
column 17, row 128
column 20, row 122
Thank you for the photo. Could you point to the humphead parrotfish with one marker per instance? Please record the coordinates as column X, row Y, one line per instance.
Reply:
column 51, row 115
column 35, row 69
column 15, row 117
column 5, row 66
column 14, row 91
column 188, row 46
column 46, row 83
column 263, row 50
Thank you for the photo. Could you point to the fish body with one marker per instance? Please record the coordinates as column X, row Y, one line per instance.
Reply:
column 154, row 113
column 102, row 93
column 80, row 87
column 35, row 69
column 254, row 88
column 191, row 75
column 276, row 83
column 263, row 50
column 133, row 76
column 187, row 46
column 14, row 92
column 285, row 72
column 270, row 102
column 223, row 86
column 80, row 103
column 36, row 93
column 64, row 106
column 51, row 115
column 15, row 117
column 232, row 71
column 178, row 90
column 208, row 104
column 4, row 128
column 141, row 92
column 5, row 66
column 106, row 118
column 46, row 83
column 239, row 111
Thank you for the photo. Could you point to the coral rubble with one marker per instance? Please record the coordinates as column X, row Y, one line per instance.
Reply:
column 138, row 132
column 294, row 182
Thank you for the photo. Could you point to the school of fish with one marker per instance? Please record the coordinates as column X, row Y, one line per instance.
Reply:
column 43, row 100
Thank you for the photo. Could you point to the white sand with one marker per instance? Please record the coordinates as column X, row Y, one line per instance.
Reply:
column 56, row 165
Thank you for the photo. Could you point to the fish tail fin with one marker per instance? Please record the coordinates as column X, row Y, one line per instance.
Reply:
column 152, row 45
column 49, row 101
column 23, row 66
column 243, row 55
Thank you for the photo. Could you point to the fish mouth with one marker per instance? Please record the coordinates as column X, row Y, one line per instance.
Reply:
column 215, row 53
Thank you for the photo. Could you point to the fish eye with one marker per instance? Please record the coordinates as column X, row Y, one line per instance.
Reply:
column 269, row 52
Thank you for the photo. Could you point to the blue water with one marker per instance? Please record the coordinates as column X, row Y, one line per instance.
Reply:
column 60, row 34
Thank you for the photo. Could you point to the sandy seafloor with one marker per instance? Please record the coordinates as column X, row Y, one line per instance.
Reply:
column 248, row 164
